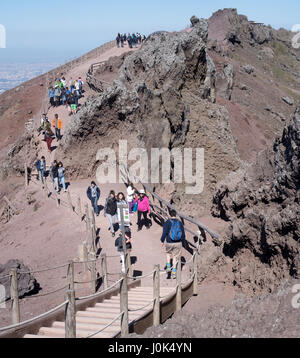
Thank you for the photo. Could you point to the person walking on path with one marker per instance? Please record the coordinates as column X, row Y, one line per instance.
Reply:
column 93, row 193
column 110, row 211
column 48, row 137
column 122, row 201
column 130, row 193
column 119, row 245
column 55, row 176
column 57, row 124
column 61, row 176
column 51, row 97
column 57, row 94
column 174, row 235
column 51, row 171
column 143, row 210
column 41, row 168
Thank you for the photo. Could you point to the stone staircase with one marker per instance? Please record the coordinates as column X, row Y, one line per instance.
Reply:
column 99, row 316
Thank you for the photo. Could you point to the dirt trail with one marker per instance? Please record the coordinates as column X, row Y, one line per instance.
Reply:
column 45, row 236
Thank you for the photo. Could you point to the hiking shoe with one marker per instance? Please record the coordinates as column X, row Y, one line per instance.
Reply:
column 174, row 274
column 139, row 229
column 113, row 235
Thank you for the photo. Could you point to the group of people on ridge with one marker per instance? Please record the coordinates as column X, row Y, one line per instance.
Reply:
column 133, row 40
column 66, row 94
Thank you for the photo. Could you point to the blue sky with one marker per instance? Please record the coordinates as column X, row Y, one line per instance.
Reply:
column 56, row 30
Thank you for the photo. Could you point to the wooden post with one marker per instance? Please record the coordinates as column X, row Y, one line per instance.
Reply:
column 93, row 273
column 85, row 257
column 124, row 305
column 14, row 293
column 46, row 188
column 195, row 265
column 79, row 208
column 93, row 229
column 178, row 290
column 70, row 200
column 71, row 276
column 126, row 253
column 70, row 315
column 57, row 198
column 87, row 219
column 156, row 296
column 104, row 271
column 26, row 175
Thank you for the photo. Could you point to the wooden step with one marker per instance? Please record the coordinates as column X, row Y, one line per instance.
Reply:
column 60, row 333
column 100, row 315
column 88, row 327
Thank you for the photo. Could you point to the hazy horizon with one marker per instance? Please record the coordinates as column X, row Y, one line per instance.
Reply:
column 45, row 33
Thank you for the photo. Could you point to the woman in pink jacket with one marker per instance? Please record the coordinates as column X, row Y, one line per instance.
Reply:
column 143, row 209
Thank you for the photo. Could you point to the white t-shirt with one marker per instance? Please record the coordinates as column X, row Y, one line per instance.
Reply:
column 130, row 193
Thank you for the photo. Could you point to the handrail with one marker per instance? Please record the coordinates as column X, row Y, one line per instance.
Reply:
column 34, row 318
column 187, row 218
column 104, row 328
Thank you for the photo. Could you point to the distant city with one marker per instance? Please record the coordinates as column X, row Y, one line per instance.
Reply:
column 12, row 75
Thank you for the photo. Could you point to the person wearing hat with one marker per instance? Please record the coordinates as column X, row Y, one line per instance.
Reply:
column 143, row 210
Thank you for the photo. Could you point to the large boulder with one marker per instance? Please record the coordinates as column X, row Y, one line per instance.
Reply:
column 27, row 284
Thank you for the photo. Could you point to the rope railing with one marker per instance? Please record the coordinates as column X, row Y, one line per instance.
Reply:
column 104, row 328
column 42, row 270
column 17, row 325
column 141, row 277
column 48, row 293
column 98, row 293
column 162, row 201
column 141, row 308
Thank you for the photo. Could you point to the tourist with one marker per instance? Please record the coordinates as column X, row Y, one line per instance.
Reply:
column 143, row 210
column 122, row 201
column 93, row 193
column 61, row 176
column 51, row 171
column 55, row 176
column 51, row 97
column 130, row 193
column 119, row 245
column 174, row 235
column 118, row 39
column 57, row 124
column 41, row 168
column 48, row 138
column 110, row 211
column 57, row 94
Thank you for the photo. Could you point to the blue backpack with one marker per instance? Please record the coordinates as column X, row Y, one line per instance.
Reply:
column 175, row 233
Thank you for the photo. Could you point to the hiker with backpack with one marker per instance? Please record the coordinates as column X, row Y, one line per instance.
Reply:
column 143, row 209
column 119, row 245
column 41, row 168
column 110, row 211
column 172, row 238
column 93, row 193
